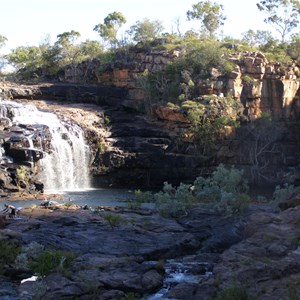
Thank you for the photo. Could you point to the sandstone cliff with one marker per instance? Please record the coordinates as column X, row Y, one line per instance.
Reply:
column 262, row 86
column 145, row 152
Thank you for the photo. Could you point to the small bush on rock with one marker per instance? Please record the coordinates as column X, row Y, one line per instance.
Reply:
column 234, row 293
column 114, row 220
column 50, row 260
column 9, row 251
column 174, row 202
column 28, row 252
column 281, row 194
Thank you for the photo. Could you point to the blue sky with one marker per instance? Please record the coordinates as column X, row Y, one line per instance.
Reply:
column 28, row 22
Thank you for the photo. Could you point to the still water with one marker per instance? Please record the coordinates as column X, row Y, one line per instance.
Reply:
column 89, row 197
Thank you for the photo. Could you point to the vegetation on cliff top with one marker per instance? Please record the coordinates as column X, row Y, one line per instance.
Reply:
column 47, row 60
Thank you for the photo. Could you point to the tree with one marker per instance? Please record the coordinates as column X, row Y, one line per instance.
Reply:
column 68, row 53
column 146, row 30
column 293, row 48
column 3, row 40
column 265, row 135
column 90, row 50
column 176, row 21
column 67, row 38
column 109, row 29
column 20, row 56
column 209, row 14
column 281, row 14
column 257, row 38
column 26, row 60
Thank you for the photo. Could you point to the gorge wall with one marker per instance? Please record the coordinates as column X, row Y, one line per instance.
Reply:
column 262, row 86
column 132, row 150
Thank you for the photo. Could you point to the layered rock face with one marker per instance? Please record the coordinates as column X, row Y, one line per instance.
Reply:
column 133, row 150
column 124, row 75
column 130, row 150
column 262, row 86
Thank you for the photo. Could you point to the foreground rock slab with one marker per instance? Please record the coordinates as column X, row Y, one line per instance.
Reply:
column 121, row 252
column 111, row 259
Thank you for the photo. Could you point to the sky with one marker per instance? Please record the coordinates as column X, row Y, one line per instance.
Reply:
column 29, row 22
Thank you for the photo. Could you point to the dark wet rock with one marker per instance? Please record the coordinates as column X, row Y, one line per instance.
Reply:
column 182, row 291
column 24, row 154
column 267, row 262
column 135, row 255
column 113, row 294
column 215, row 230
column 8, row 290
column 39, row 186
column 60, row 287
column 140, row 152
column 111, row 260
column 17, row 274
column 5, row 179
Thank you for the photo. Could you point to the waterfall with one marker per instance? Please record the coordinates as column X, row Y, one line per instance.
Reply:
column 66, row 165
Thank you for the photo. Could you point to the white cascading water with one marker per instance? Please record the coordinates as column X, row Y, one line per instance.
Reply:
column 67, row 166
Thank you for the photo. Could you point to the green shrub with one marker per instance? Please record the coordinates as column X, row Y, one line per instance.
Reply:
column 292, row 293
column 234, row 293
column 209, row 118
column 8, row 252
column 28, row 252
column 50, row 260
column 281, row 194
column 102, row 145
column 225, row 190
column 107, row 120
column 248, row 80
column 229, row 179
column 143, row 197
column 134, row 204
column 114, row 220
column 130, row 296
column 174, row 202
column 22, row 176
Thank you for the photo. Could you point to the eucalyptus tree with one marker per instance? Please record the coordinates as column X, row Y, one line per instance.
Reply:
column 68, row 37
column 283, row 15
column 293, row 48
column 90, row 51
column 146, row 30
column 3, row 41
column 108, row 30
column 210, row 14
column 177, row 23
column 26, row 60
column 68, row 52
column 257, row 38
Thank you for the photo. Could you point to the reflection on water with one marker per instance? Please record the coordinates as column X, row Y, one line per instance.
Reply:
column 90, row 197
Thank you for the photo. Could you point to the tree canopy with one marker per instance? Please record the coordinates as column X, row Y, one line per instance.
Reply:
column 210, row 14
column 145, row 30
column 108, row 30
column 3, row 41
column 283, row 15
